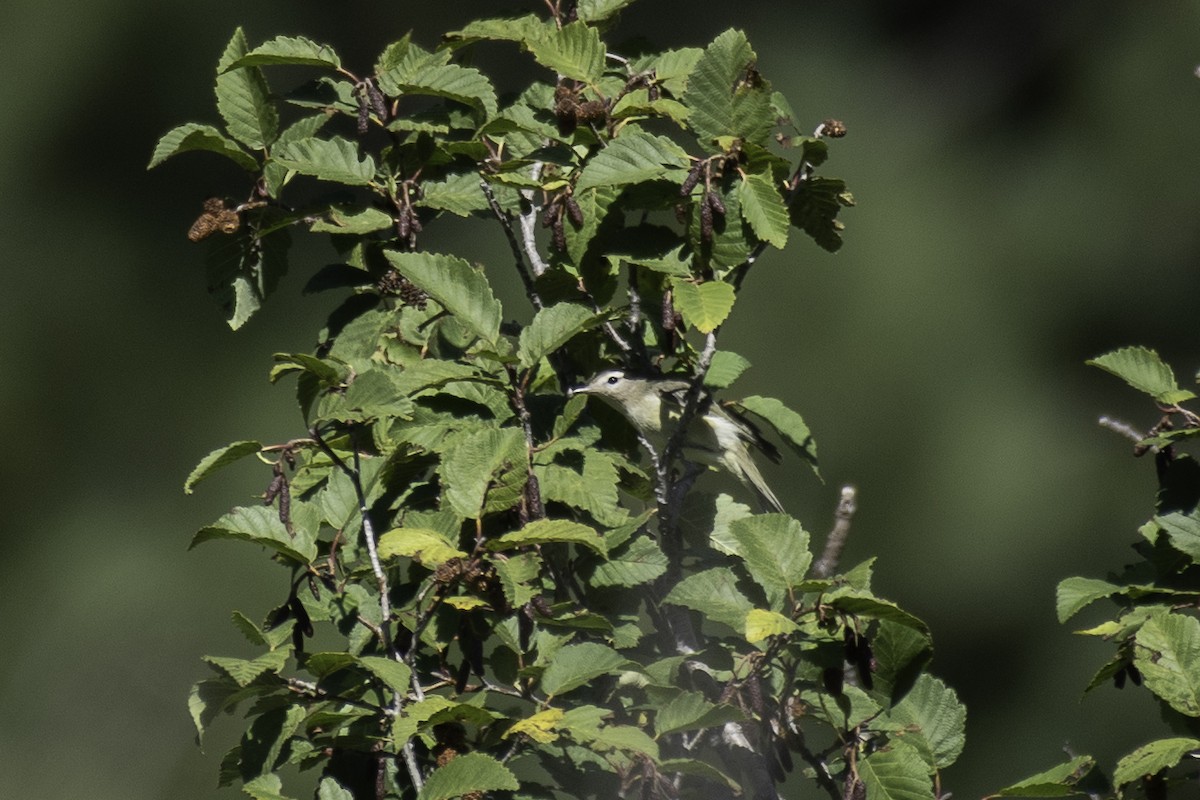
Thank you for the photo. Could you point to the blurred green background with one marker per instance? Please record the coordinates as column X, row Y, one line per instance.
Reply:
column 1026, row 175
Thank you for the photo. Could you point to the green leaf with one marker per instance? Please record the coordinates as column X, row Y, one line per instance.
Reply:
column 465, row 85
column 598, row 10
column 208, row 699
column 545, row 531
column 275, row 175
column 459, row 194
column 863, row 603
column 473, row 772
column 726, row 367
column 1059, row 781
column 245, row 671
column 244, row 100
column 242, row 275
column 725, row 94
column 469, row 467
column 395, row 675
column 635, row 563
column 1168, row 656
column 633, row 157
column 552, row 327
column 935, row 721
column 194, row 136
column 1076, row 593
column 815, row 208
column 577, row 664
column 1183, row 530
column 260, row 525
column 704, row 306
column 335, row 159
column 353, row 221
column 518, row 29
column 1142, row 369
column 330, row 789
column 1150, row 759
column 713, row 593
column 456, row 286
column 762, row 625
column 896, row 772
column 574, row 51
column 221, row 457
column 775, row 548
column 265, row 787
column 427, row 546
column 762, row 207
column 295, row 50
column 787, row 423
column 689, row 711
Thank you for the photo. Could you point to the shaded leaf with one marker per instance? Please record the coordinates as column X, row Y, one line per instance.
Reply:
column 896, row 772
column 713, row 593
column 552, row 327
column 577, row 664
column 690, row 711
column 787, row 423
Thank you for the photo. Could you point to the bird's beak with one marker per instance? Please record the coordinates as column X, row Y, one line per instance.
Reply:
column 574, row 390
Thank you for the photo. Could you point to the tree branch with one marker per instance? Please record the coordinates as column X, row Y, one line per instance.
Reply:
column 513, row 243
column 835, row 543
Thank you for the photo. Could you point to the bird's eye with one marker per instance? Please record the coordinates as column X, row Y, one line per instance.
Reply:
column 613, row 380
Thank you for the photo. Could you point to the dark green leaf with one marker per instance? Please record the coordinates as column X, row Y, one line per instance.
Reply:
column 1059, row 781
column 295, row 50
column 459, row 194
column 934, row 721
column 574, row 51
column 545, row 531
column 244, row 671
column 815, row 208
column 221, row 457
column 896, row 772
column 726, row 368
column 394, row 674
column 244, row 100
column 726, row 95
column 713, row 593
column 599, row 10
column 787, row 423
column 762, row 207
column 689, row 711
column 194, row 136
column 260, row 525
column 633, row 157
column 577, row 664
column 471, row 465
column 638, row 562
column 335, row 159
column 775, row 548
column 1076, row 593
column 457, row 286
column 552, row 327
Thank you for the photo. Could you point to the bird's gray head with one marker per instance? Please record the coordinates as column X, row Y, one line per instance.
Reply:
column 611, row 383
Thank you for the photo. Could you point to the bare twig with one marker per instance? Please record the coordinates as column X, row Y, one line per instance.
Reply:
column 513, row 243
column 827, row 564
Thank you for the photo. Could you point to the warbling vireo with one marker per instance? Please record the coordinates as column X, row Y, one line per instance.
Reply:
column 715, row 436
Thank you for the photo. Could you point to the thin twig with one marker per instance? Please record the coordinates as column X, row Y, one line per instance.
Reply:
column 835, row 543
column 1124, row 428
column 515, row 245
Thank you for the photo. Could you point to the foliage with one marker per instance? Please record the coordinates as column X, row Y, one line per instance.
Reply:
column 489, row 592
column 1156, row 630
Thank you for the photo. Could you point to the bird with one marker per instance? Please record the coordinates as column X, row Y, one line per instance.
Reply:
column 716, row 436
